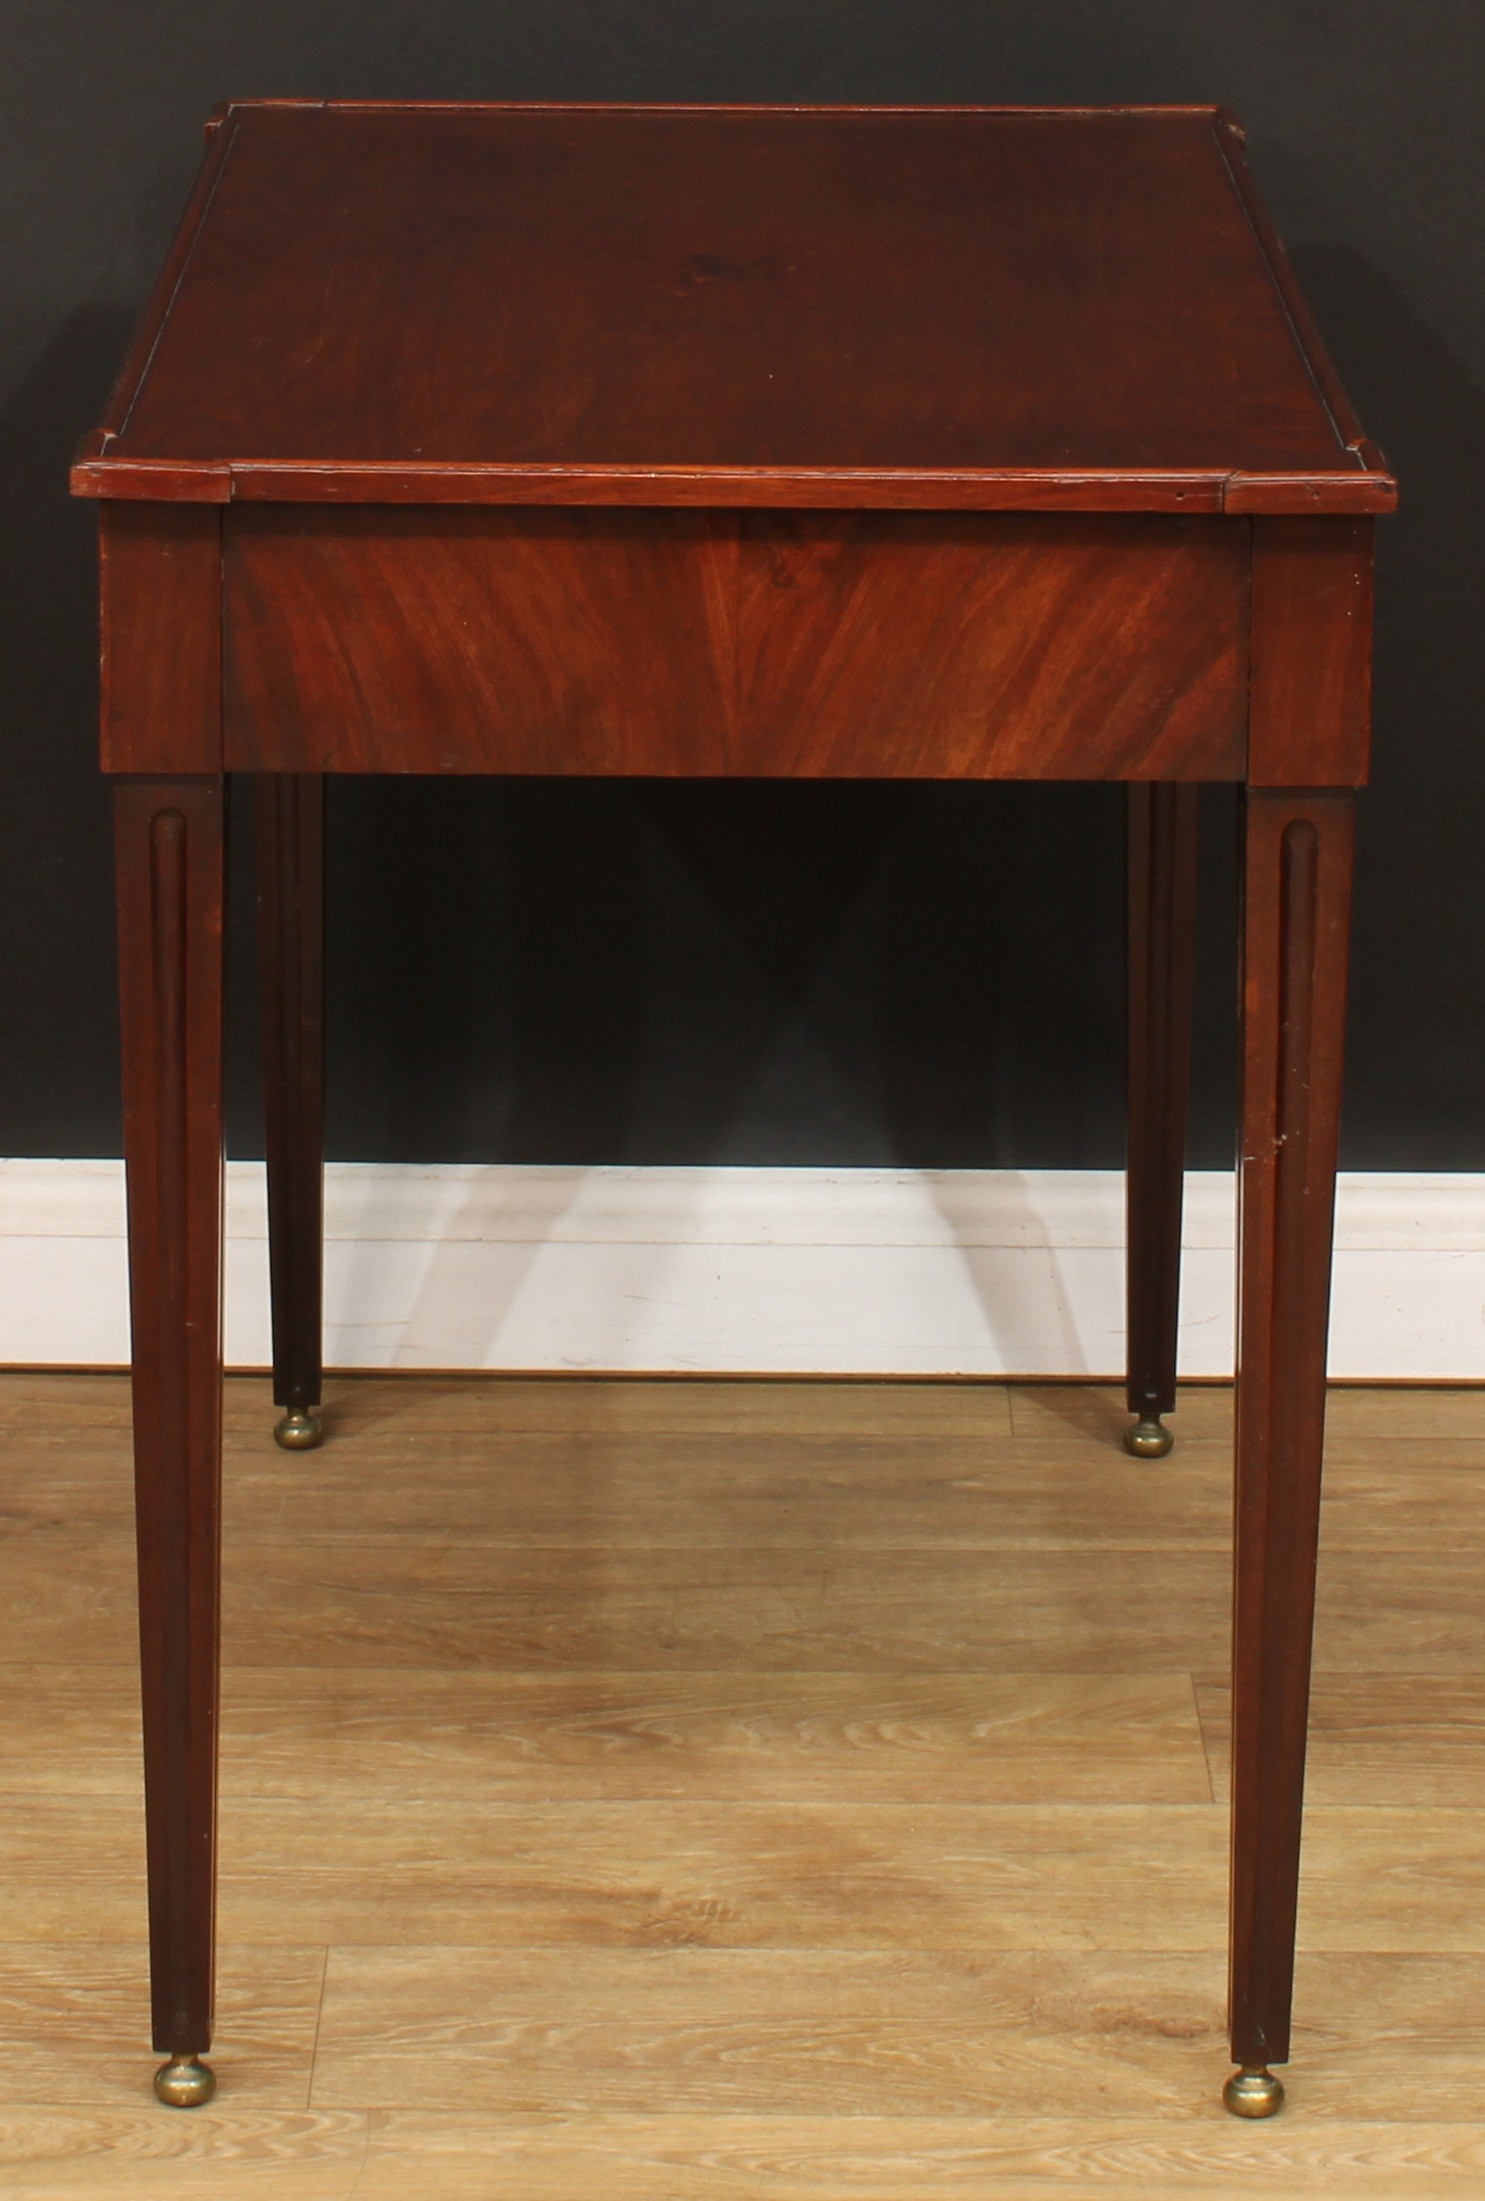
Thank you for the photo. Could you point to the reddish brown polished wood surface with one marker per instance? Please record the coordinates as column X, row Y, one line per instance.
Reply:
column 1163, row 834
column 1311, row 702
column 762, row 305
column 161, row 572
column 170, row 918
column 431, row 455
column 1296, row 928
column 804, row 645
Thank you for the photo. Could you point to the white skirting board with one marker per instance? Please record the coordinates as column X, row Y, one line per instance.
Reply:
column 765, row 1271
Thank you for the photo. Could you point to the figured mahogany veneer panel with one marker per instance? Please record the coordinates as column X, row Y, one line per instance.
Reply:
column 803, row 645
column 988, row 646
column 477, row 641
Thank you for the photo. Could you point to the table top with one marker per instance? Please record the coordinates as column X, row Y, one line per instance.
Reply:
column 988, row 308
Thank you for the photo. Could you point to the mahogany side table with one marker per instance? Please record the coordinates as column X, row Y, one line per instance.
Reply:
column 943, row 443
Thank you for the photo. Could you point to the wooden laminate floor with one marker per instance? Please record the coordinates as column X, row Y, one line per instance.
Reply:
column 692, row 1791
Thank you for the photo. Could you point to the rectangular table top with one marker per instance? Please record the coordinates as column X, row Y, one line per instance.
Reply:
column 1072, row 309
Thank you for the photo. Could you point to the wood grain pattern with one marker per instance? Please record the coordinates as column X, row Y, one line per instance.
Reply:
column 375, row 1406
column 915, row 1877
column 702, row 644
column 466, row 641
column 1374, row 1737
column 623, row 1493
column 1004, row 2156
column 362, row 1605
column 160, row 569
column 390, row 1407
column 656, row 1874
column 392, row 2155
column 1310, row 712
column 778, row 305
column 327, row 1735
column 924, row 1612
column 831, row 2031
column 1425, row 1420
column 713, row 1737
column 171, row 865
column 986, row 648
column 655, row 1819
column 767, row 1492
column 235, row 2154
column 860, row 2033
column 76, row 2008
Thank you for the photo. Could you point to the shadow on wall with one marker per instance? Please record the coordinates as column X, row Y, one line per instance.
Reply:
column 487, row 961
column 1416, row 1077
column 870, row 974
column 56, row 903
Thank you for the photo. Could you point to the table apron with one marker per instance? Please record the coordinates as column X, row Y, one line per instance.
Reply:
column 735, row 643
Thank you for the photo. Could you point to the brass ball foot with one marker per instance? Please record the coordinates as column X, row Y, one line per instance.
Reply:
column 185, row 2082
column 1253, row 2092
column 1148, row 1439
column 298, row 1431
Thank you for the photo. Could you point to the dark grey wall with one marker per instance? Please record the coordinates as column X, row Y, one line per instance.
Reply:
column 767, row 974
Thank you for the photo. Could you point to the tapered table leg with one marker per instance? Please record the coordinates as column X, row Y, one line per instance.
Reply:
column 1297, row 896
column 290, row 832
column 1162, row 927
column 169, row 847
